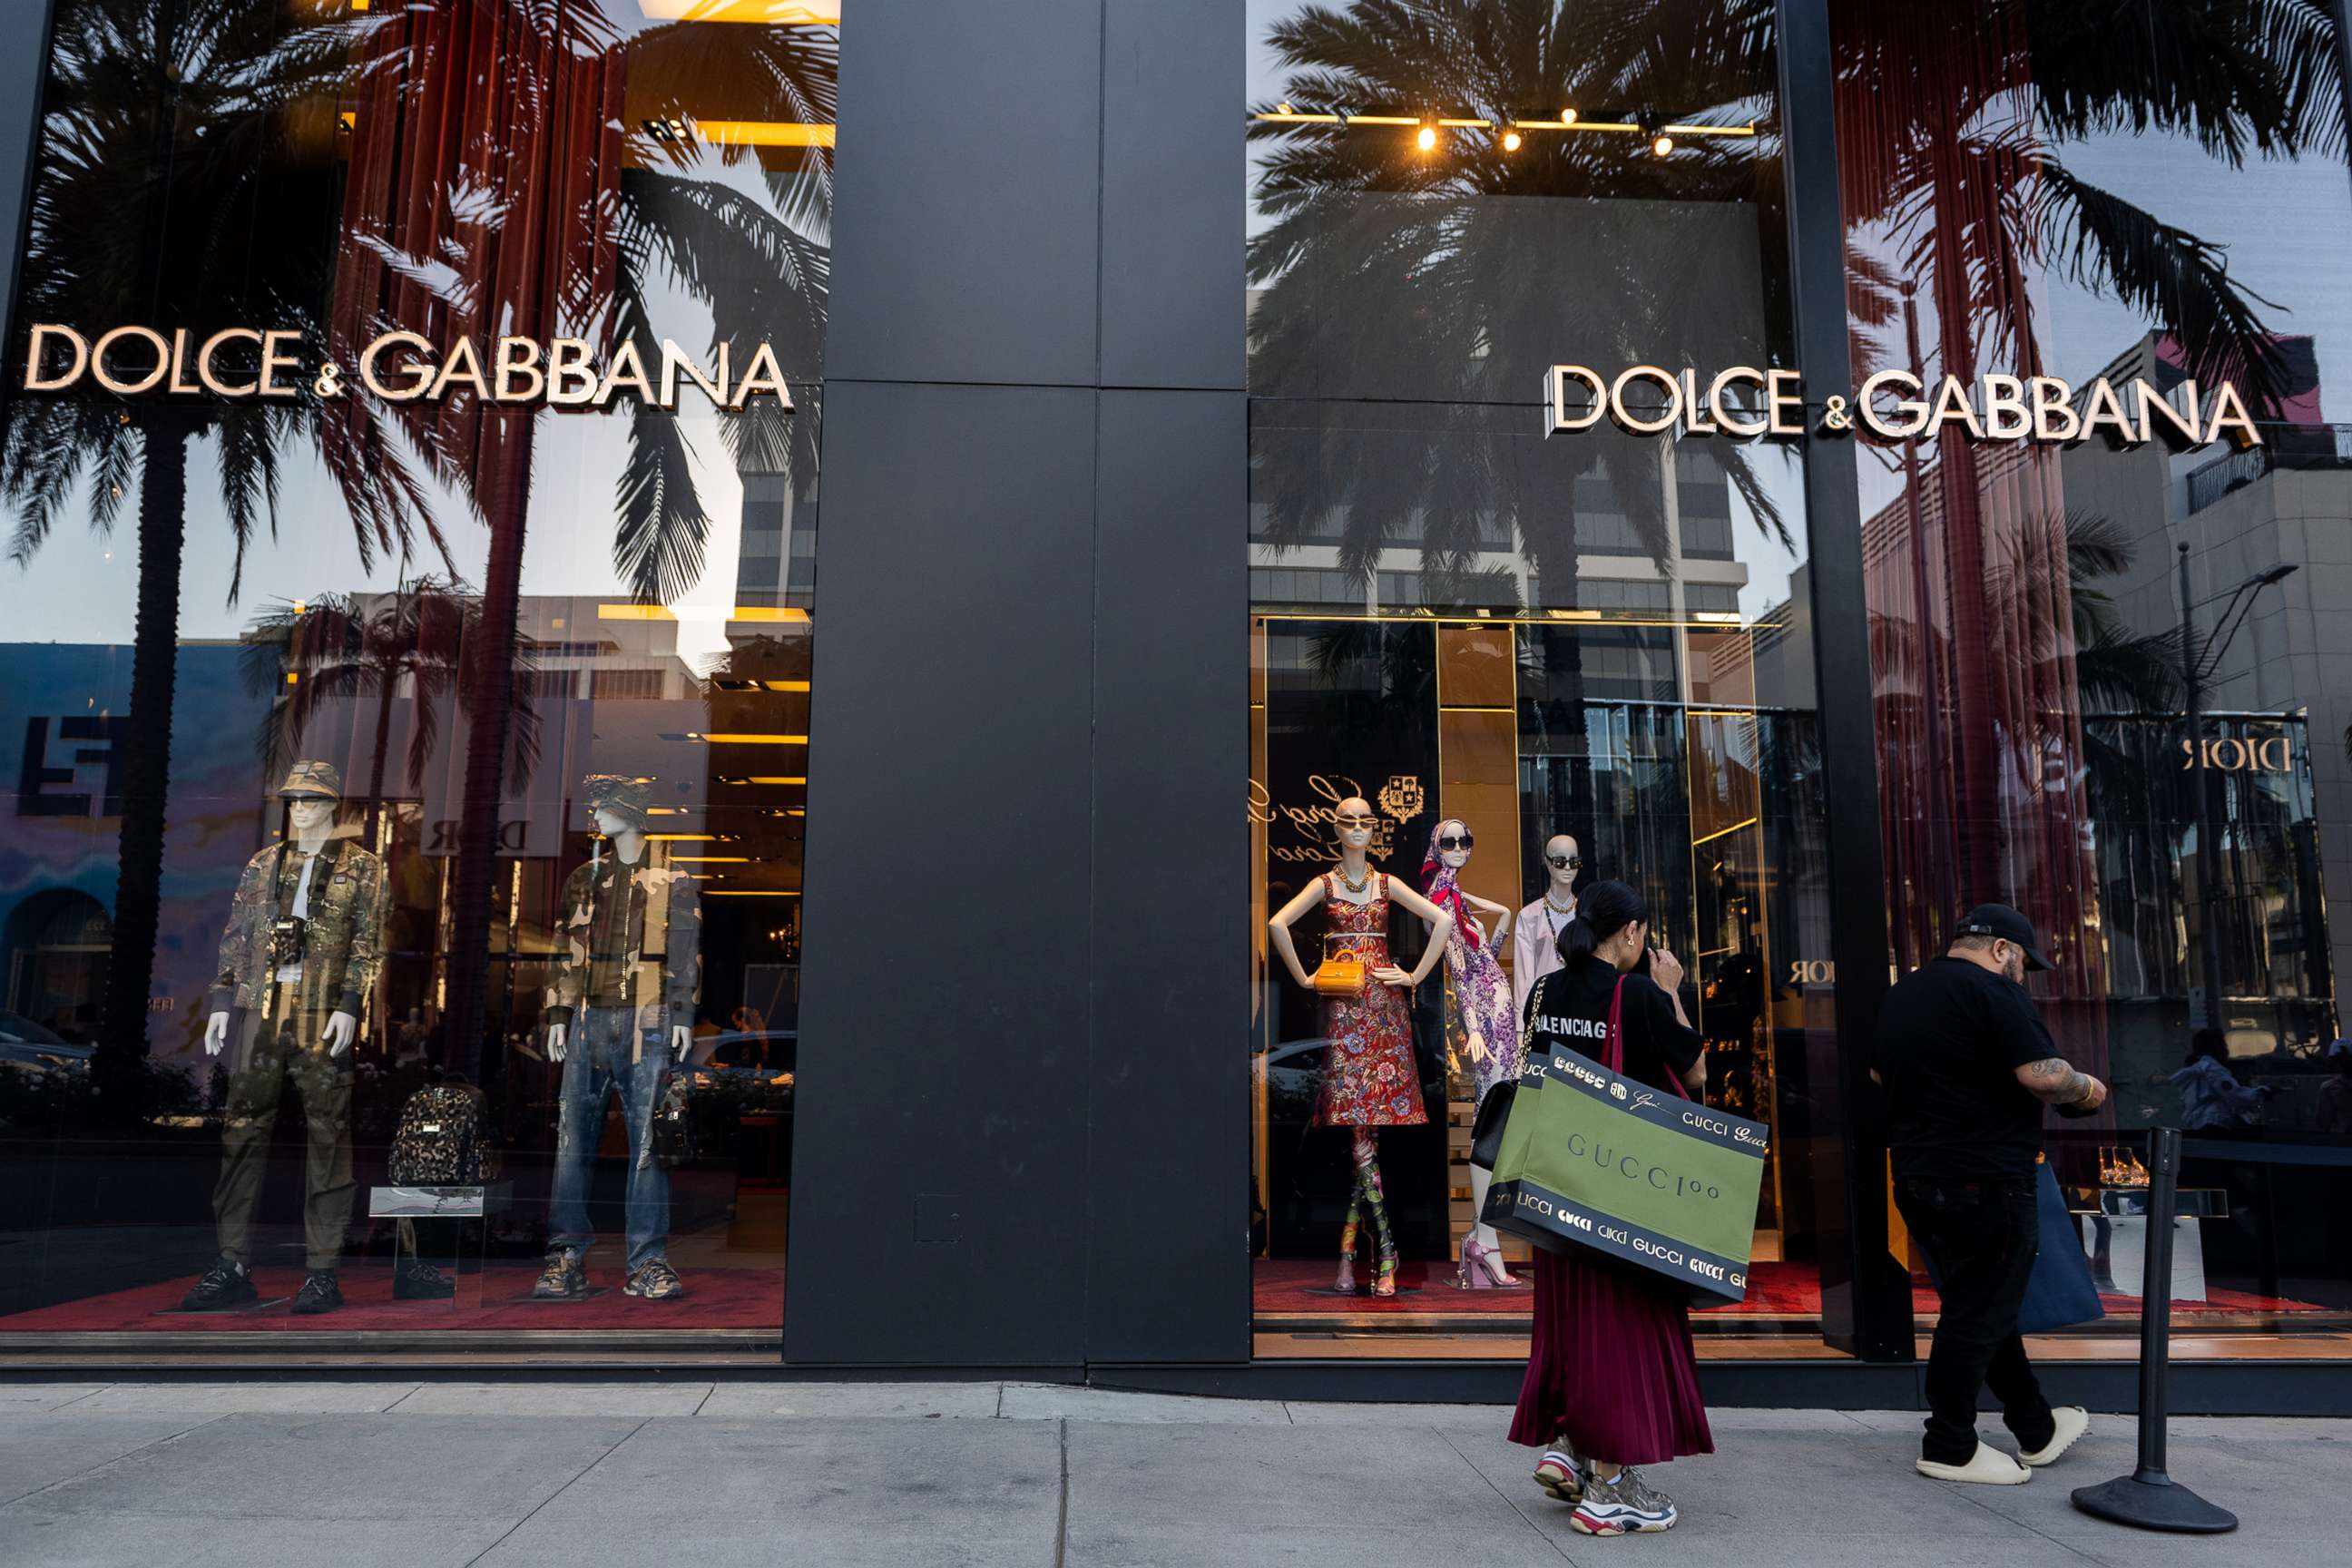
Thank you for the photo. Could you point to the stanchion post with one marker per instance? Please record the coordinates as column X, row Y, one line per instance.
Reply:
column 2149, row 1498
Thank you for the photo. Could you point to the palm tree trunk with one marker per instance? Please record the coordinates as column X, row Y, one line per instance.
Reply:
column 116, row 1072
column 387, row 683
column 1976, row 806
column 486, row 698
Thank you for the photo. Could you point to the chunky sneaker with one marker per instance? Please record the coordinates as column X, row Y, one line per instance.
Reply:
column 565, row 1276
column 225, row 1287
column 1562, row 1473
column 420, row 1283
column 319, row 1293
column 2073, row 1421
column 655, row 1280
column 1988, row 1467
column 1625, row 1506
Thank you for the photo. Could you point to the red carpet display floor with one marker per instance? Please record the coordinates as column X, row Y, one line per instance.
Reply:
column 714, row 1299
column 1288, row 1287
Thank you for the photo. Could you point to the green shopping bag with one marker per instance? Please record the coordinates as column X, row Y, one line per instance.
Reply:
column 1591, row 1158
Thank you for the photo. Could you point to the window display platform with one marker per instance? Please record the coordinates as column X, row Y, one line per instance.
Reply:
column 714, row 1299
column 1291, row 1294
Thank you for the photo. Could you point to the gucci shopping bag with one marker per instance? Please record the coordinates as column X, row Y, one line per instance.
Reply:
column 1591, row 1158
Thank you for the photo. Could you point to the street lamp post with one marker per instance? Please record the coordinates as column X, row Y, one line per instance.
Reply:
column 2198, row 665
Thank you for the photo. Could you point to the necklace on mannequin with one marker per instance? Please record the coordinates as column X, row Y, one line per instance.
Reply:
column 1556, row 907
column 1355, row 884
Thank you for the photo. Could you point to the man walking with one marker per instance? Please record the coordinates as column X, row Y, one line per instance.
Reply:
column 1967, row 1068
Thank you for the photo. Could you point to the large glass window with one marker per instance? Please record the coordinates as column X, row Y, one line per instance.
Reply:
column 2112, row 686
column 1583, row 656
column 410, row 465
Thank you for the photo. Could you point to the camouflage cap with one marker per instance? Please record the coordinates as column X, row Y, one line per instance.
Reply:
column 313, row 778
column 617, row 792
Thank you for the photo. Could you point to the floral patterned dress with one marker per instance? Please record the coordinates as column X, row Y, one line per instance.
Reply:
column 1369, row 1078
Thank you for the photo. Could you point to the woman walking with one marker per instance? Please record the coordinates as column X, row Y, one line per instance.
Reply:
column 1611, row 1381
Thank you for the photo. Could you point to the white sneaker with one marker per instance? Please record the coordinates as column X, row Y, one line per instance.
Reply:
column 2073, row 1422
column 1988, row 1467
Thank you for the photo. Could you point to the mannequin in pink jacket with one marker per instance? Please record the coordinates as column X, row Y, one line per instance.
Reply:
column 1535, row 941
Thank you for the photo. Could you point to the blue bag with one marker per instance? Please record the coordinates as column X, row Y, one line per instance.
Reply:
column 2060, row 1293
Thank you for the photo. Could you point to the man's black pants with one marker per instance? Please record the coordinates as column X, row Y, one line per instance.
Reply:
column 1983, row 1237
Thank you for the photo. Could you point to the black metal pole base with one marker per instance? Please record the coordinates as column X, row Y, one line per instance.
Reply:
column 2154, row 1505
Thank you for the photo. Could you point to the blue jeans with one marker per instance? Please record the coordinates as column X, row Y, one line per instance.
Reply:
column 601, row 1042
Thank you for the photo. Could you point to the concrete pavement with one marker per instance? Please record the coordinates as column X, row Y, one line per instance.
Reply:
column 411, row 1475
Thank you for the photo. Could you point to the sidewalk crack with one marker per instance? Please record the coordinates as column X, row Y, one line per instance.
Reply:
column 118, row 1459
column 1062, row 1518
column 507, row 1534
column 1509, row 1500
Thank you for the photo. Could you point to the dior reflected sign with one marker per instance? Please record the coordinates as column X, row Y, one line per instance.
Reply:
column 1749, row 404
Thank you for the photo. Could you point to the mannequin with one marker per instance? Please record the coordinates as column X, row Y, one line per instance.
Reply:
column 1479, row 1019
column 1537, row 951
column 628, row 837
column 298, row 966
column 620, row 1012
column 1369, row 1080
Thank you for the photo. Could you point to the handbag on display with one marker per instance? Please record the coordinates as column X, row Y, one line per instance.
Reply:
column 672, row 1132
column 438, row 1143
column 1591, row 1158
column 1344, row 975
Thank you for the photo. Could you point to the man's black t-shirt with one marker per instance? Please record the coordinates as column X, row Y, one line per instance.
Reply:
column 1951, row 1038
column 1570, row 1008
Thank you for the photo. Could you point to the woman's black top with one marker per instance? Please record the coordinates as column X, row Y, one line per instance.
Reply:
column 1568, row 1009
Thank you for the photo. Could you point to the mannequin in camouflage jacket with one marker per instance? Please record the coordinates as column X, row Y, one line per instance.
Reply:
column 298, row 961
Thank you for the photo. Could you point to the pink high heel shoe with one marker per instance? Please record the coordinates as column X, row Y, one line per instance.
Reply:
column 1481, row 1267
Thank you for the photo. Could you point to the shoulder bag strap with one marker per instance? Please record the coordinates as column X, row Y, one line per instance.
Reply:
column 1615, row 1060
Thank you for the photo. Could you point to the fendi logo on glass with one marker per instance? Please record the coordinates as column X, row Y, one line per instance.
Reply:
column 238, row 362
column 1746, row 403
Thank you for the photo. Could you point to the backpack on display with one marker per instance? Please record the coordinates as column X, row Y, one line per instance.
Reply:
column 438, row 1143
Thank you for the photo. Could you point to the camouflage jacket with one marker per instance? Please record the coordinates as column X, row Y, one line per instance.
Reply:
column 662, row 950
column 343, row 945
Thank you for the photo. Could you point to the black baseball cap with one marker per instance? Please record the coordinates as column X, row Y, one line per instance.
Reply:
column 2000, row 921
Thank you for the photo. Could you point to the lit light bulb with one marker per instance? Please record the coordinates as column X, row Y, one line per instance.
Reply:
column 1427, row 139
column 1510, row 140
column 1567, row 117
column 1662, row 145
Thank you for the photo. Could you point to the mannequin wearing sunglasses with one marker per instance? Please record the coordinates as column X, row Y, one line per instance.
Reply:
column 1536, row 954
column 1369, row 1080
column 1478, row 1022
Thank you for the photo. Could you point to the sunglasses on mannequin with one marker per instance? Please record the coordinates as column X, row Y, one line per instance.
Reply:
column 1356, row 821
column 1564, row 862
column 1456, row 841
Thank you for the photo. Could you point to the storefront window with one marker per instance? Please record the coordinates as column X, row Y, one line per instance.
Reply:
column 2111, row 677
column 410, row 473
column 1583, row 655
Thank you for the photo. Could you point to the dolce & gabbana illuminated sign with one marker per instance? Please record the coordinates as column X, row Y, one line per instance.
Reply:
column 1749, row 404
column 240, row 362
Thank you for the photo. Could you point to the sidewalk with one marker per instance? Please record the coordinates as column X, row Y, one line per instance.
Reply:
column 406, row 1475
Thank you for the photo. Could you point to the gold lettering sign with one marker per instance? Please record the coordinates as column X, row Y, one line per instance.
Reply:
column 395, row 366
column 1746, row 403
column 2272, row 755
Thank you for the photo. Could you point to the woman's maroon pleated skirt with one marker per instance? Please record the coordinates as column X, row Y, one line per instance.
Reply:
column 1611, row 1366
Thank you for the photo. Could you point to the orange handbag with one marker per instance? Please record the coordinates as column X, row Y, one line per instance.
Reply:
column 1344, row 975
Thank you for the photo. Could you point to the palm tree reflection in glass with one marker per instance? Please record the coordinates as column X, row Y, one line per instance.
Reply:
column 199, row 169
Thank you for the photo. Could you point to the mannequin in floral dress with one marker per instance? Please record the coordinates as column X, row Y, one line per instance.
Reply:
column 1480, row 1022
column 1369, row 1077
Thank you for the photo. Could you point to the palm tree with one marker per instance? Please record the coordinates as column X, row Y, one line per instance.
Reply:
column 187, row 153
column 342, row 648
column 600, row 218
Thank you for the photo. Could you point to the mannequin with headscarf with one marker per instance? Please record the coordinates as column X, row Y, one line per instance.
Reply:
column 1370, row 1078
column 1479, row 1022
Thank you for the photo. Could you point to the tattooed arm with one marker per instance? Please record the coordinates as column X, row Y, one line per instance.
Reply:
column 2056, row 1082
